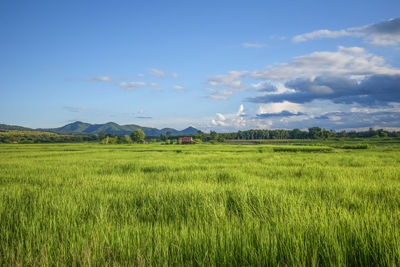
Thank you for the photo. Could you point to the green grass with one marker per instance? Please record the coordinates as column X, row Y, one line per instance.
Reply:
column 90, row 204
column 303, row 149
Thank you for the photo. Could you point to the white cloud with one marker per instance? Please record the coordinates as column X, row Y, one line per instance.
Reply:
column 140, row 75
column 279, row 107
column 384, row 33
column 174, row 75
column 254, row 45
column 240, row 110
column 156, row 73
column 179, row 88
column 220, row 94
column 230, row 83
column 134, row 85
column 320, row 34
column 232, row 80
column 317, row 89
column 344, row 62
column 220, row 116
column 349, row 62
column 99, row 79
column 218, row 123
column 230, row 121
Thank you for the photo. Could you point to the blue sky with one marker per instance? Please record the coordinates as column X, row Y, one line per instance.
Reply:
column 220, row 65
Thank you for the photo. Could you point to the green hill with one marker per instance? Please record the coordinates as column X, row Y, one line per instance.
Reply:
column 79, row 127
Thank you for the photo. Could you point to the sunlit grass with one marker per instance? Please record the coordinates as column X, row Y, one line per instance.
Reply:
column 89, row 204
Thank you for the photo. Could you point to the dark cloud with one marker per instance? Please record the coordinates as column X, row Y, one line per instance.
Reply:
column 268, row 88
column 283, row 113
column 373, row 91
column 386, row 27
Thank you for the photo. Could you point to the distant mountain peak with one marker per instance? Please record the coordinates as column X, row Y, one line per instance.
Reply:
column 75, row 122
column 79, row 127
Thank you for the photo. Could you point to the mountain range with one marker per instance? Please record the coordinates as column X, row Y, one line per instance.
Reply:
column 79, row 127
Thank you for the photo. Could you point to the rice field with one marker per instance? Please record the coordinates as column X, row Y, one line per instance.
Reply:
column 199, row 205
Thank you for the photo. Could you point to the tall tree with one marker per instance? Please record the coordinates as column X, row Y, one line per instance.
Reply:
column 138, row 135
column 315, row 132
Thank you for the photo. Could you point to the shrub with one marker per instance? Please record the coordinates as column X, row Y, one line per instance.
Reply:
column 359, row 146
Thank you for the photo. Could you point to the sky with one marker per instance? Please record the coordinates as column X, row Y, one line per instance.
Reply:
column 214, row 65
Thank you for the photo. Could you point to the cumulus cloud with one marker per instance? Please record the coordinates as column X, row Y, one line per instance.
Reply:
column 372, row 91
column 174, row 75
column 254, row 45
column 227, row 84
column 350, row 75
column 296, row 94
column 157, row 73
column 231, row 121
column 319, row 113
column 337, row 120
column 354, row 61
column 325, row 114
column 134, row 85
column 99, row 79
column 231, row 80
column 280, row 107
column 384, row 33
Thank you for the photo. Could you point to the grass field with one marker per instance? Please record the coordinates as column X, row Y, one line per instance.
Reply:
column 90, row 204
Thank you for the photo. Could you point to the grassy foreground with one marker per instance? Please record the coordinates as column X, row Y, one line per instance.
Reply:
column 89, row 204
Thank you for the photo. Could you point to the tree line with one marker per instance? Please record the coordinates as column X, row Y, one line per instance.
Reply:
column 34, row 137
column 138, row 136
column 311, row 133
